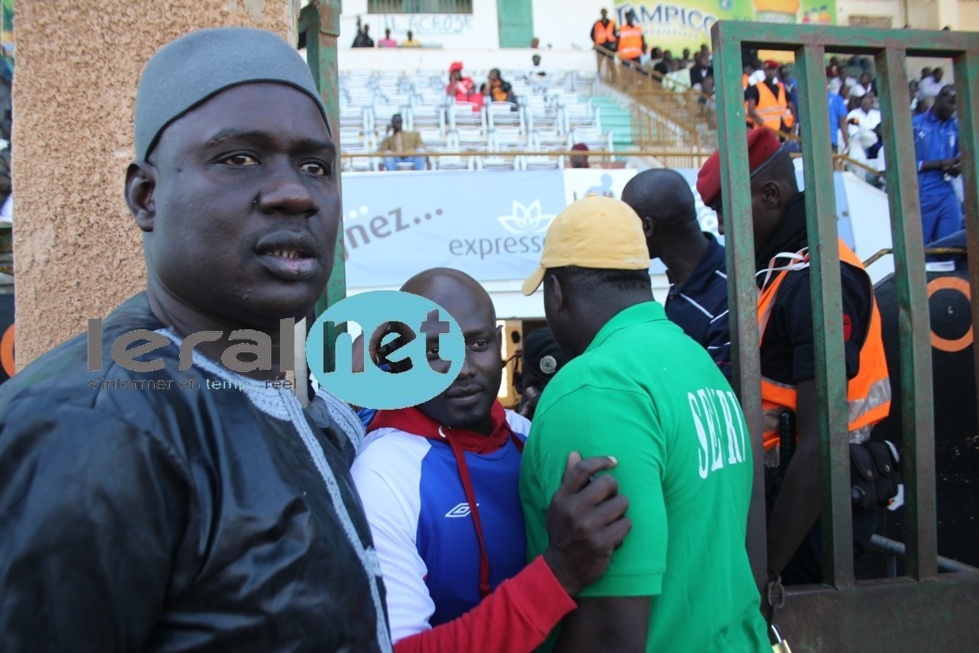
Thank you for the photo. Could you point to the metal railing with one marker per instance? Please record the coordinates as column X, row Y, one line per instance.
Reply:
column 603, row 156
column 666, row 112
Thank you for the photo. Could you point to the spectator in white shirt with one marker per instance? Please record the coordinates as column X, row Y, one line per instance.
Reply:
column 864, row 86
column 841, row 80
column 862, row 125
column 930, row 86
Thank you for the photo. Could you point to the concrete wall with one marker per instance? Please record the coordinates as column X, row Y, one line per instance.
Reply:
column 479, row 30
column 893, row 9
column 968, row 15
column 77, row 251
column 933, row 14
column 560, row 28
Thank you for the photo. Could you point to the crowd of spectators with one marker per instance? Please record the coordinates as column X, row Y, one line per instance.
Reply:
column 461, row 88
column 771, row 100
column 363, row 39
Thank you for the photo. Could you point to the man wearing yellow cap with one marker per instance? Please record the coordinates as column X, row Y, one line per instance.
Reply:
column 638, row 389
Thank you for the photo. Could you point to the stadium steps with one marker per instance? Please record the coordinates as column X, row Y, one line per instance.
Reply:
column 615, row 118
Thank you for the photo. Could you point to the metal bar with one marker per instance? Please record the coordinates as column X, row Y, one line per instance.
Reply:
column 320, row 21
column 894, row 548
column 918, row 430
column 692, row 152
column 827, row 307
column 966, row 82
column 742, row 292
column 851, row 40
column 515, row 152
column 896, row 615
column 928, row 250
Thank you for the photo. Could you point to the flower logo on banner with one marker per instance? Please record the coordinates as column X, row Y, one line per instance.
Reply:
column 526, row 219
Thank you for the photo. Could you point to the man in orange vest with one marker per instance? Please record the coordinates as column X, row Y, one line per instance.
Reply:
column 632, row 46
column 605, row 37
column 788, row 357
column 767, row 103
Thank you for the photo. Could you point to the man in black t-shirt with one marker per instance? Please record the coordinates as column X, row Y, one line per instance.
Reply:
column 701, row 68
column 788, row 354
column 664, row 67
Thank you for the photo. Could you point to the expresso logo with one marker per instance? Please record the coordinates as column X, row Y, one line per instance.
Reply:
column 528, row 223
column 409, row 327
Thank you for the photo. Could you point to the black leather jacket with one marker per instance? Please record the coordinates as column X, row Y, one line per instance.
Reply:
column 136, row 516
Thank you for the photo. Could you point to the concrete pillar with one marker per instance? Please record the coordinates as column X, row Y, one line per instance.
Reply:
column 948, row 14
column 77, row 251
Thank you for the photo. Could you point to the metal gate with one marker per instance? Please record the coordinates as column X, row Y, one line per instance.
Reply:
column 925, row 610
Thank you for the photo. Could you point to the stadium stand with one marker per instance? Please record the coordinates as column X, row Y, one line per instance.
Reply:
column 549, row 116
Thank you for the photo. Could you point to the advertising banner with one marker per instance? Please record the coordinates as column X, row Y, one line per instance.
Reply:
column 489, row 225
column 492, row 225
column 686, row 23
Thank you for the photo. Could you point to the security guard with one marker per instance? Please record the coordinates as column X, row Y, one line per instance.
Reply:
column 605, row 37
column 788, row 357
column 767, row 103
column 631, row 44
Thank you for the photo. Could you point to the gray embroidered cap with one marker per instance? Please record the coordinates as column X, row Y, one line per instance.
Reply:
column 189, row 70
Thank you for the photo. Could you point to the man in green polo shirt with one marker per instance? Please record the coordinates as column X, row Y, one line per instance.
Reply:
column 640, row 390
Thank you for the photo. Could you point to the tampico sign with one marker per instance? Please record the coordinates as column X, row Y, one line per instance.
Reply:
column 686, row 23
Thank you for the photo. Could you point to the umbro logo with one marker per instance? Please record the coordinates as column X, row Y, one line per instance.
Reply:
column 461, row 510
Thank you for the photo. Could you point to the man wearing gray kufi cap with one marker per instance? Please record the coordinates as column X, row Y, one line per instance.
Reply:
column 157, row 492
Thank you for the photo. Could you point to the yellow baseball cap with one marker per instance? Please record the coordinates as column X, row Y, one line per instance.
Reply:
column 595, row 232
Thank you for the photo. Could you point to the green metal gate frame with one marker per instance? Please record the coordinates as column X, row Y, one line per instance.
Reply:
column 319, row 28
column 923, row 611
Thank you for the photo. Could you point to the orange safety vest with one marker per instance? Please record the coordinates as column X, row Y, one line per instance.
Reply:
column 868, row 394
column 604, row 33
column 773, row 110
column 630, row 42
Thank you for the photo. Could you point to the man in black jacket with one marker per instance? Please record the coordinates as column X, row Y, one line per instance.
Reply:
column 162, row 501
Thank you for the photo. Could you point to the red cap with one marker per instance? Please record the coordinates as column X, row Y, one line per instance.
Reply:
column 771, row 64
column 580, row 147
column 454, row 66
column 762, row 144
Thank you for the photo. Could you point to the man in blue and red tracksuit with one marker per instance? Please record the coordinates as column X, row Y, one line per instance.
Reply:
column 439, row 484
column 936, row 148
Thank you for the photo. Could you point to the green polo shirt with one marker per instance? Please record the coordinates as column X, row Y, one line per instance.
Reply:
column 650, row 396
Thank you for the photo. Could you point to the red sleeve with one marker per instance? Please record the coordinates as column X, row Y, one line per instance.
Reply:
column 517, row 616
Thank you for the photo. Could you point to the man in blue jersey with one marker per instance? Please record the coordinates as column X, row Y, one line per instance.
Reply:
column 837, row 121
column 936, row 148
column 439, row 484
